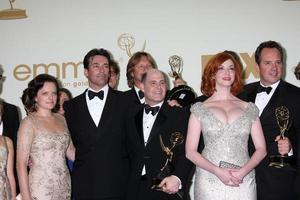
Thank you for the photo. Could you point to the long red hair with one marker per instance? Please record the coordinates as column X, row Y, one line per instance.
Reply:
column 208, row 84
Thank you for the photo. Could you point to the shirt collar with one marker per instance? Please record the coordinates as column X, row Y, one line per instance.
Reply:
column 104, row 88
column 273, row 86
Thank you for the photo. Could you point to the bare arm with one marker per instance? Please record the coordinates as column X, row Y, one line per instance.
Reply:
column 10, row 167
column 260, row 150
column 70, row 154
column 192, row 141
column 25, row 138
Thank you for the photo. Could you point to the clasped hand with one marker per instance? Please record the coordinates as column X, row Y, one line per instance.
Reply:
column 230, row 177
column 283, row 144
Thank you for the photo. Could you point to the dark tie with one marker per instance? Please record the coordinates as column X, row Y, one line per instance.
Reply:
column 153, row 110
column 141, row 94
column 261, row 88
column 99, row 94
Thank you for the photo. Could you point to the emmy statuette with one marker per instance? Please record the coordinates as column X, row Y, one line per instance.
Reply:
column 176, row 139
column 283, row 120
column 183, row 93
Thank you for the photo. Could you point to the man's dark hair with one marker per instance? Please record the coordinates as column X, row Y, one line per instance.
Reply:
column 267, row 44
column 95, row 52
column 114, row 66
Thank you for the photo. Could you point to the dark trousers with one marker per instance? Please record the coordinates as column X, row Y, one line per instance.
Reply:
column 102, row 199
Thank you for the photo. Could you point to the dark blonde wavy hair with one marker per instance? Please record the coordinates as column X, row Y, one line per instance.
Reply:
column 133, row 61
column 208, row 84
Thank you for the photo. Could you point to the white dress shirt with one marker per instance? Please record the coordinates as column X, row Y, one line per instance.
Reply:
column 148, row 121
column 136, row 89
column 1, row 128
column 262, row 98
column 96, row 105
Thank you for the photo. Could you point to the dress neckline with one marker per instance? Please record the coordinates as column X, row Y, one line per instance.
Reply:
column 234, row 121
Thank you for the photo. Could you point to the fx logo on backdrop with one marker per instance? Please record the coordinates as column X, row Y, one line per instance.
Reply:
column 12, row 13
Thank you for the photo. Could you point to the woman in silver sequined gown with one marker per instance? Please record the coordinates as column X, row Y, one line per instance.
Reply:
column 226, row 124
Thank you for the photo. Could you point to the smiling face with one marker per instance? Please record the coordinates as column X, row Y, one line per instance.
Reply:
column 140, row 68
column 154, row 87
column 225, row 74
column 46, row 97
column 270, row 66
column 97, row 72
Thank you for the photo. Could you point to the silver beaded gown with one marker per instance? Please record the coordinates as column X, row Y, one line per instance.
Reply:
column 224, row 142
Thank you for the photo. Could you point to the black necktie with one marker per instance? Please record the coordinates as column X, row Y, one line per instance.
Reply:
column 261, row 88
column 141, row 94
column 153, row 110
column 99, row 94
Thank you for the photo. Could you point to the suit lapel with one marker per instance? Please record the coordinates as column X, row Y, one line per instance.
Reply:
column 139, row 125
column 135, row 96
column 252, row 93
column 275, row 101
column 84, row 111
column 106, row 116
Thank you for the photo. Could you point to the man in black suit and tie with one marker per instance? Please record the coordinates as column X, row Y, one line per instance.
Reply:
column 145, row 125
column 95, row 123
column 268, row 94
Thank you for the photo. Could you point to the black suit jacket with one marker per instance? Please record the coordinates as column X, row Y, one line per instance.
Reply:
column 11, row 122
column 276, row 184
column 131, row 98
column 99, row 169
column 169, row 120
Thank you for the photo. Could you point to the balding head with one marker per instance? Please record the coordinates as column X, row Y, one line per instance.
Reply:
column 154, row 86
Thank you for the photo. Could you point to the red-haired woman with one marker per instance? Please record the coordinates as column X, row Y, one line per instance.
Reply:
column 224, row 169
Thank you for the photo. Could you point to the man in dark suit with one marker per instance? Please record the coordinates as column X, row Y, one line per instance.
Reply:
column 95, row 123
column 144, row 128
column 268, row 94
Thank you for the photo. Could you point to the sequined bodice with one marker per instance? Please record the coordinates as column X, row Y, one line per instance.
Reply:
column 5, row 192
column 3, row 160
column 47, row 148
column 224, row 142
column 227, row 142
